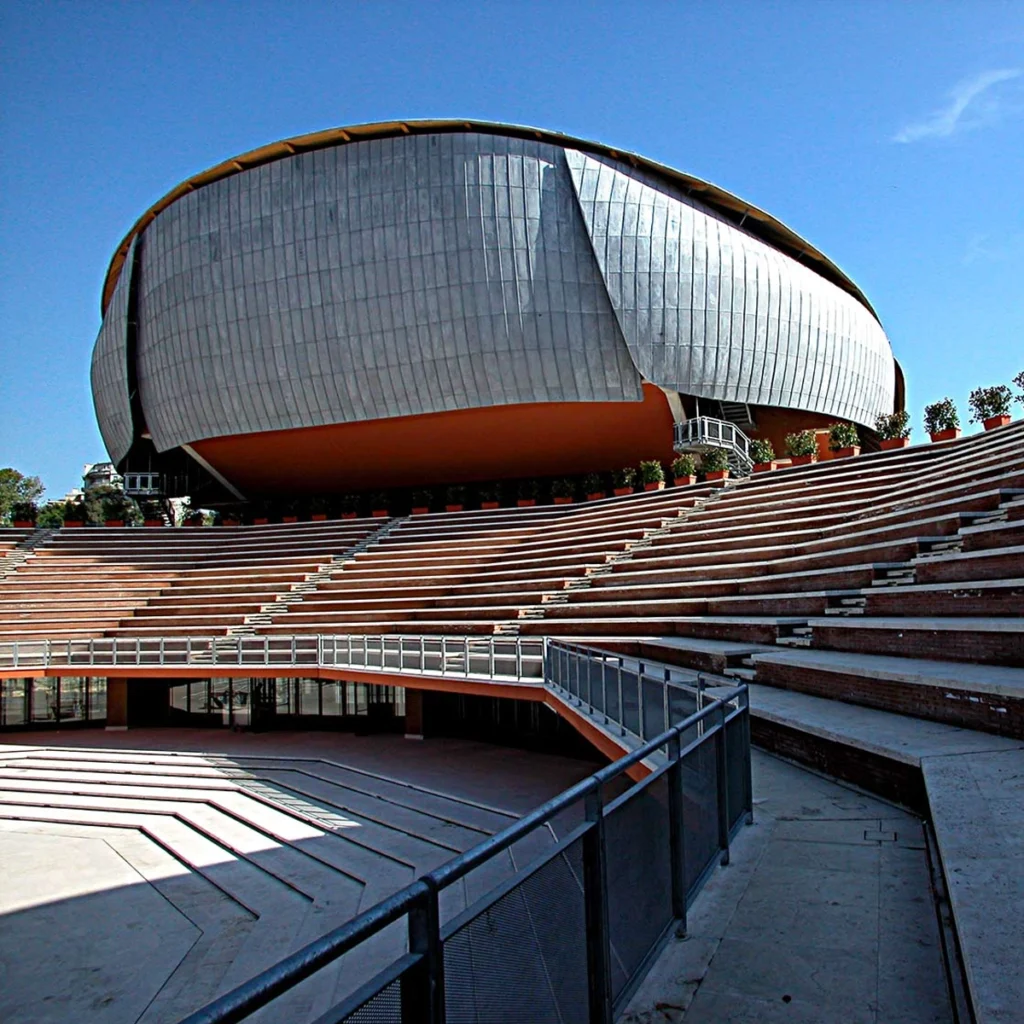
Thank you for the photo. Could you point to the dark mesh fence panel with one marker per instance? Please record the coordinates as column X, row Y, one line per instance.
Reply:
column 611, row 694
column 736, row 769
column 384, row 1008
column 654, row 708
column 630, row 703
column 524, row 958
column 639, row 877
column 681, row 704
column 700, row 810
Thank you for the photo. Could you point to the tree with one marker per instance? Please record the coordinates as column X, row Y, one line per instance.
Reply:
column 1019, row 381
column 15, row 487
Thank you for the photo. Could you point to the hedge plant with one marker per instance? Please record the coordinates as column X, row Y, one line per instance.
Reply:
column 893, row 426
column 593, row 484
column 625, row 477
column 988, row 402
column 803, row 442
column 651, row 471
column 714, row 461
column 562, row 488
column 762, row 451
column 941, row 416
column 683, row 465
column 842, row 435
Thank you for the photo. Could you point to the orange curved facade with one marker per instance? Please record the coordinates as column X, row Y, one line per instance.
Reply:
column 491, row 443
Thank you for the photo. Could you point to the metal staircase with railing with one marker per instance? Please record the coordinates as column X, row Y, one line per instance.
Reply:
column 703, row 433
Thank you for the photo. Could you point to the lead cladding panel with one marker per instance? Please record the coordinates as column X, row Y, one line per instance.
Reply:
column 109, row 372
column 384, row 278
column 709, row 310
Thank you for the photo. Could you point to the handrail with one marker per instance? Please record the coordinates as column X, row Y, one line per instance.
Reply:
column 705, row 432
column 421, row 970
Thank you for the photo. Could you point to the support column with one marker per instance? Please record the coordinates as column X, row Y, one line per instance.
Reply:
column 117, row 704
column 413, row 714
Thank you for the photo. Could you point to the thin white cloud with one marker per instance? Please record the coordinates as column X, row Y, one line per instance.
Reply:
column 970, row 104
column 984, row 247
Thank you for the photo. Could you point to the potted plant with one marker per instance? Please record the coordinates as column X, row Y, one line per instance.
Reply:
column 802, row 447
column 349, row 505
column 991, row 406
column 379, row 505
column 260, row 512
column 763, row 455
column 119, row 509
column 593, row 487
column 941, row 420
column 421, row 502
column 488, row 495
column 455, row 498
column 893, row 430
column 562, row 491
column 152, row 513
column 652, row 475
column 290, row 511
column 843, row 440
column 74, row 513
column 623, row 480
column 527, row 494
column 684, row 471
column 24, row 514
column 715, row 464
column 51, row 515
column 318, row 508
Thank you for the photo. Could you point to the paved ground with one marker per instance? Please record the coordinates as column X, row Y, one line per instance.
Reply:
column 825, row 915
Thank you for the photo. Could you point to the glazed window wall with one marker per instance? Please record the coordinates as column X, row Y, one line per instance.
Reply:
column 53, row 701
column 245, row 702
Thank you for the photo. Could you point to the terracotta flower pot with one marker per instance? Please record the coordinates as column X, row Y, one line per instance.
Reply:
column 289, row 519
column 802, row 460
column 563, row 501
column 996, row 421
column 230, row 522
column 453, row 508
column 318, row 517
column 846, row 453
column 23, row 524
column 490, row 504
column 596, row 496
column 765, row 467
column 655, row 485
column 113, row 522
column 526, row 502
column 946, row 435
column 619, row 491
column 421, row 510
column 684, row 481
column 717, row 474
column 380, row 513
column 72, row 523
column 159, row 522
column 892, row 443
column 260, row 521
column 349, row 515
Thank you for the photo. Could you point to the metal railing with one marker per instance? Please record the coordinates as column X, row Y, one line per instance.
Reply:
column 568, row 935
column 518, row 659
column 705, row 432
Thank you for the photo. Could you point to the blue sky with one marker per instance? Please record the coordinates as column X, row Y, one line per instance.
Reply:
column 889, row 135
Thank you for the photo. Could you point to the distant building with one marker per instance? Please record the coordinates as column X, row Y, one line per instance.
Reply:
column 100, row 474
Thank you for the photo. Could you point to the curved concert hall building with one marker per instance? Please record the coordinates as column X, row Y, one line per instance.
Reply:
column 434, row 302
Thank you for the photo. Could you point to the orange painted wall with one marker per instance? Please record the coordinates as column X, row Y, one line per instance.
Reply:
column 498, row 442
column 774, row 424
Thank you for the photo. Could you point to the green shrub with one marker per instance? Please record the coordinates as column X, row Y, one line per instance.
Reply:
column 527, row 489
column 24, row 510
column 74, row 512
column 683, row 465
column 842, row 435
column 651, row 472
column 1019, row 382
column 318, row 505
column 988, row 402
column 117, row 505
column 762, row 451
column 489, row 492
column 422, row 499
column 52, row 514
column 803, row 442
column 593, row 484
column 625, row 477
column 893, row 426
column 941, row 416
column 455, row 495
column 563, row 488
column 714, row 461
column 349, row 503
column 378, row 501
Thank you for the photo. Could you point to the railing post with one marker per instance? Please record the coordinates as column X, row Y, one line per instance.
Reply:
column 676, row 834
column 422, row 987
column 668, row 675
column 722, row 787
column 640, row 699
column 748, row 780
column 622, row 713
column 595, row 900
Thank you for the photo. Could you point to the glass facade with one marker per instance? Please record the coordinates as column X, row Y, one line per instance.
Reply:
column 262, row 702
column 52, row 701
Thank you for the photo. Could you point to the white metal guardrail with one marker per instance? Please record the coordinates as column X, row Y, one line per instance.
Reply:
column 498, row 659
column 705, row 432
